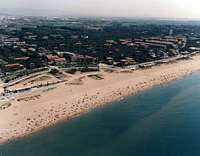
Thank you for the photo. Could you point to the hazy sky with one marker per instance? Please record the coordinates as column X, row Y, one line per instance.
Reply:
column 134, row 8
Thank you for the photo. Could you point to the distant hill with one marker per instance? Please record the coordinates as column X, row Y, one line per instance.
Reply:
column 31, row 12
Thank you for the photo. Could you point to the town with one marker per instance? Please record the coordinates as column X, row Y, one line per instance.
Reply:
column 33, row 45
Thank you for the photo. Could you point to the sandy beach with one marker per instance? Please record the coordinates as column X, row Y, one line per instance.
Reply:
column 33, row 111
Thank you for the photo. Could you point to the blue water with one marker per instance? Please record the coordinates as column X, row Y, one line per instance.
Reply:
column 163, row 121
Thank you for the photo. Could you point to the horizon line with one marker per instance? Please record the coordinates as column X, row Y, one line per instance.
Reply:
column 62, row 13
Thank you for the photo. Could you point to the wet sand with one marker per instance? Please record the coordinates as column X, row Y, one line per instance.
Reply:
column 33, row 111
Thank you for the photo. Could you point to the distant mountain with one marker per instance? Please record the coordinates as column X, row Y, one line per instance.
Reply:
column 31, row 12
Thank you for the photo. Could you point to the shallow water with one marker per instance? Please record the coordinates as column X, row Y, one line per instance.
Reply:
column 163, row 121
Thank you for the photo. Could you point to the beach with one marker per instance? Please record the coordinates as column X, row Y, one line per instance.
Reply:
column 39, row 109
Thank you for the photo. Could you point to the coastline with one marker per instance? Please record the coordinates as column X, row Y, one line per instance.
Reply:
column 69, row 100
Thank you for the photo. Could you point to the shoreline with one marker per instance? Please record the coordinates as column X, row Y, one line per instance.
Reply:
column 68, row 100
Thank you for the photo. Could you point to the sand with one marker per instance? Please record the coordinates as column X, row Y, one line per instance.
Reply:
column 39, row 109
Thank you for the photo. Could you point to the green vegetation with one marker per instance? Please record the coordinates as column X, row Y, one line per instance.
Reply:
column 81, row 44
column 96, row 76
column 4, row 105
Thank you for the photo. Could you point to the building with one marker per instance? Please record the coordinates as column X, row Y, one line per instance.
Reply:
column 13, row 67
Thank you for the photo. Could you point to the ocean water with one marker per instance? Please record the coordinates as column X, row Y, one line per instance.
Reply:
column 163, row 121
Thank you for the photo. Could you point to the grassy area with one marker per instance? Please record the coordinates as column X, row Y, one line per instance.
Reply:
column 96, row 77
column 4, row 105
column 41, row 78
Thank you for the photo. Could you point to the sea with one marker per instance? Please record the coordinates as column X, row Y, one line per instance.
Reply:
column 162, row 121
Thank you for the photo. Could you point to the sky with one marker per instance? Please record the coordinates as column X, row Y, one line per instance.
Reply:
column 120, row 8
